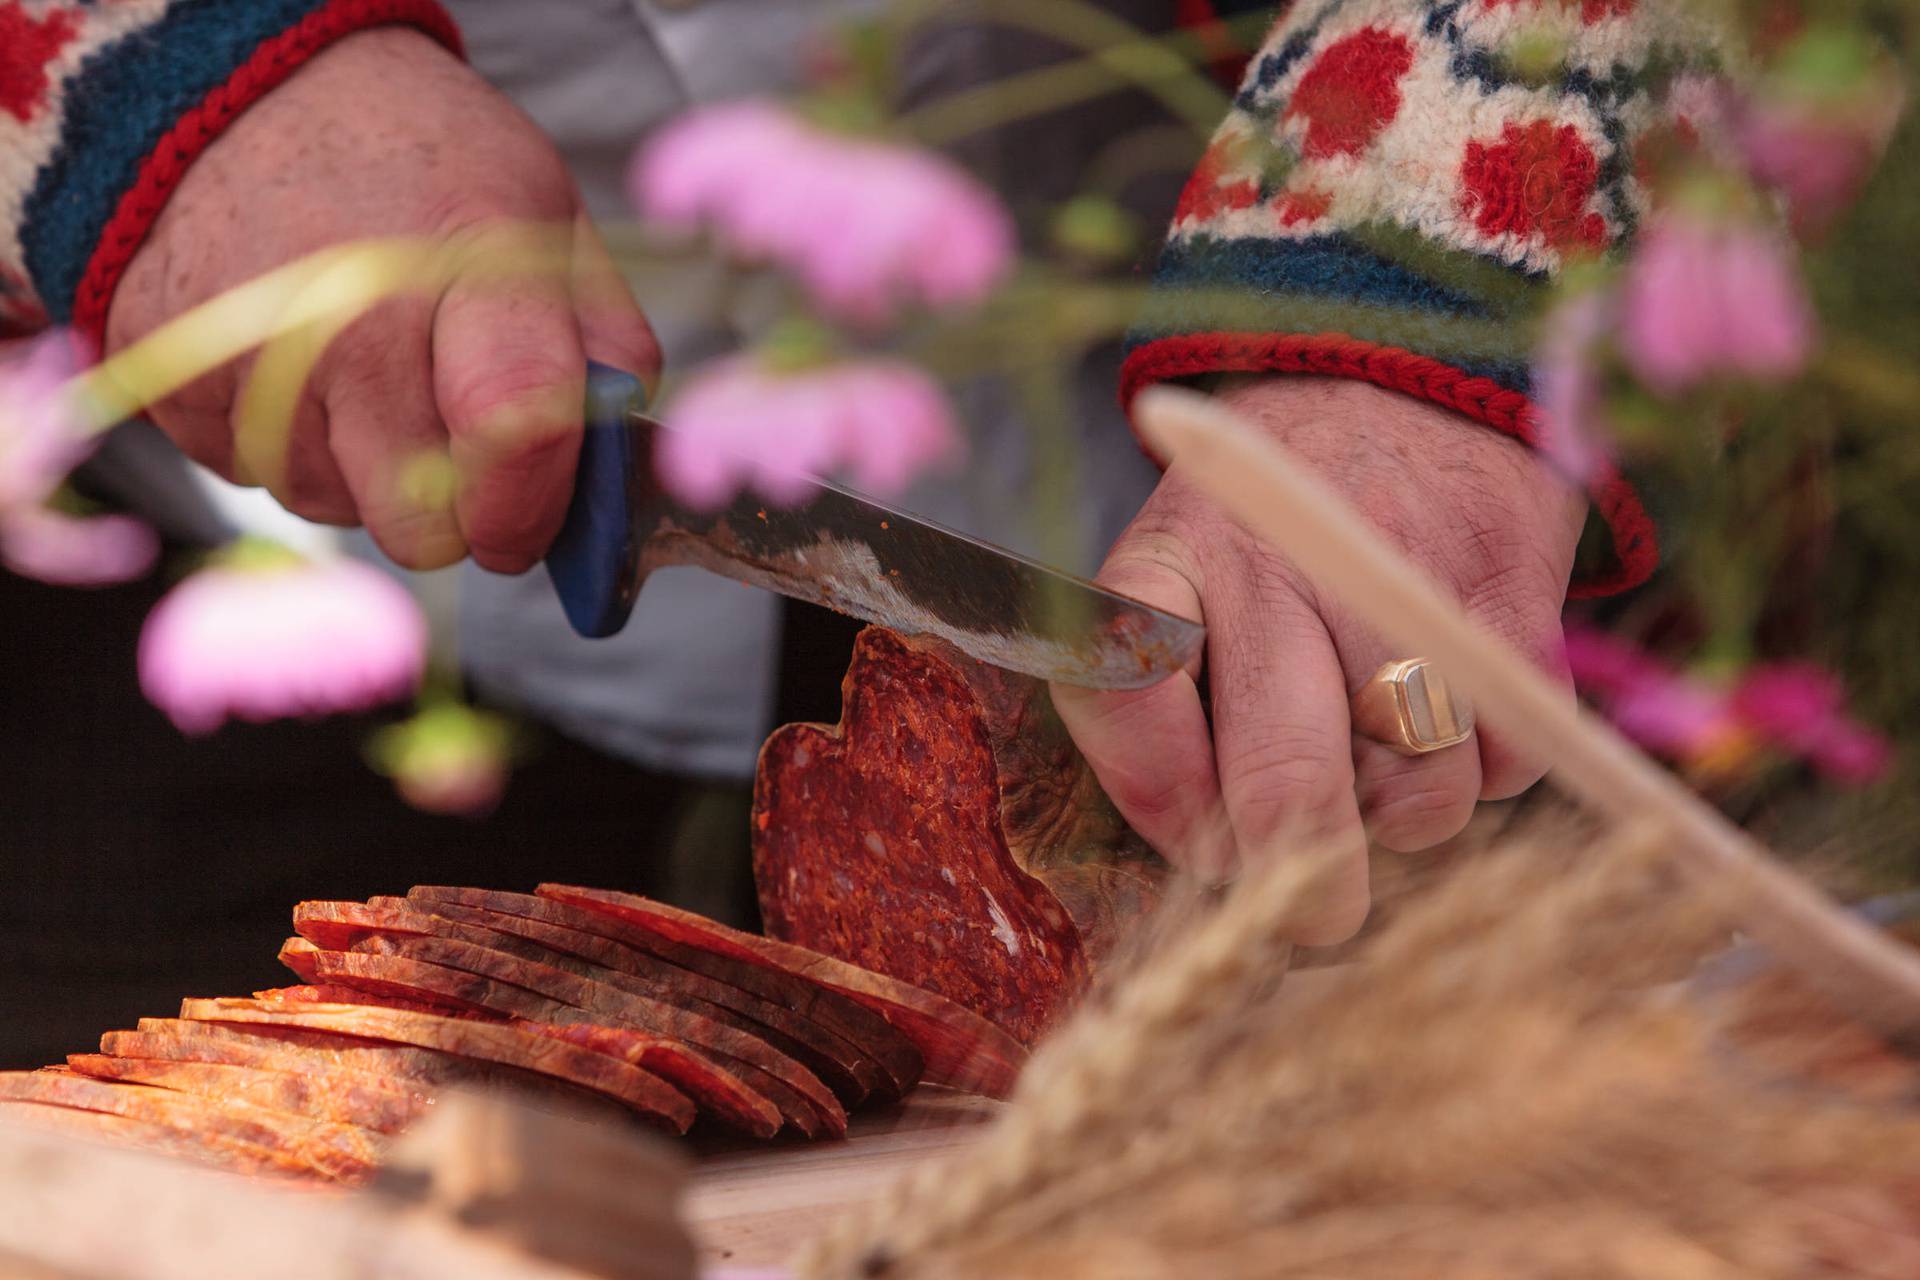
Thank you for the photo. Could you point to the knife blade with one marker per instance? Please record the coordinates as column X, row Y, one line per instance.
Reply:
column 846, row 552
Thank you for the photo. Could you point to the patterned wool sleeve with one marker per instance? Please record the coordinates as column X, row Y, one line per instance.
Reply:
column 1390, row 196
column 104, row 104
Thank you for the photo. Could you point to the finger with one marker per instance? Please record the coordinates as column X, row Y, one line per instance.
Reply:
column 613, row 329
column 1530, row 622
column 1282, row 740
column 509, row 379
column 311, row 484
column 385, row 433
column 1409, row 802
column 1151, row 748
column 279, row 441
column 1412, row 803
column 1506, row 769
column 199, row 420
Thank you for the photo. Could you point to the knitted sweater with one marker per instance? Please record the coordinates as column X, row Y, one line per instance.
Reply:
column 1396, row 194
column 1385, row 194
column 104, row 104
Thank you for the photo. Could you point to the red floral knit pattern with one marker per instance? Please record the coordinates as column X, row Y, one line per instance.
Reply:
column 1538, row 179
column 1370, row 123
column 272, row 63
column 27, row 45
column 1210, row 192
column 1591, row 11
column 1351, row 92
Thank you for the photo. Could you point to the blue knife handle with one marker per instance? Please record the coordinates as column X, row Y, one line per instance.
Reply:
column 592, row 561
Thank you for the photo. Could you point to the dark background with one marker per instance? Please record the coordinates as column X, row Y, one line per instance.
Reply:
column 142, row 866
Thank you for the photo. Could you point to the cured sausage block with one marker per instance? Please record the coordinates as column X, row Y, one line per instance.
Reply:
column 947, row 833
column 639, row 1090
column 959, row 1047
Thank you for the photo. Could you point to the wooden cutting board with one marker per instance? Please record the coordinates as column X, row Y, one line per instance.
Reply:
column 755, row 1207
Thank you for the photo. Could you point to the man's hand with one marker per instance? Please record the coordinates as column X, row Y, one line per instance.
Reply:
column 386, row 134
column 1476, row 510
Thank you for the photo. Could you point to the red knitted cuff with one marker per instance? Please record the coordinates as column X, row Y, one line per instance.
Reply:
column 1636, row 547
column 160, row 173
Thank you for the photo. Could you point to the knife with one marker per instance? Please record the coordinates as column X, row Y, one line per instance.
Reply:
column 846, row 552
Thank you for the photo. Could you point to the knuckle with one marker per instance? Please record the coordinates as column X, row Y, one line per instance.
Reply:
column 415, row 538
column 1149, row 798
column 500, row 401
column 1292, row 784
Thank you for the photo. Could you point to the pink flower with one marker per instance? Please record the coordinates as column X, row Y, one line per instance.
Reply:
column 1650, row 703
column 738, row 423
column 1566, row 387
column 41, row 440
column 448, row 759
column 1708, row 298
column 1802, row 708
column 71, row 551
column 1818, row 164
column 262, row 634
column 1795, row 708
column 1674, row 717
column 866, row 226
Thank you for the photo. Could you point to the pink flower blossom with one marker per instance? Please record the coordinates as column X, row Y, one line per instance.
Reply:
column 41, row 440
column 1816, row 138
column 262, row 635
column 70, row 551
column 738, row 423
column 1709, row 298
column 1795, row 708
column 448, row 759
column 1566, row 387
column 865, row 225
column 1802, row 708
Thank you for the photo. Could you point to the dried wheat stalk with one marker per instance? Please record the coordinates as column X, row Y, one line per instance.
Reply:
column 1495, row 1090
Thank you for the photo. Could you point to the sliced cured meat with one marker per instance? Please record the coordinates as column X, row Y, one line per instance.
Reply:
column 317, row 1095
column 420, row 1071
column 297, row 949
column 338, row 925
column 401, row 983
column 195, row 1043
column 336, row 1151
column 102, row 1126
column 947, row 833
column 716, row 1090
column 642, row 1091
column 960, row 1048
column 758, row 993
column 851, row 1074
column 703, row 1078
column 508, row 984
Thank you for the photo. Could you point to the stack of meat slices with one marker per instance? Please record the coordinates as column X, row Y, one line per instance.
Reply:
column 581, row 997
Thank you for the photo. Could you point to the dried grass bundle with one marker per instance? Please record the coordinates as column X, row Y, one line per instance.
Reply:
column 1506, row 1085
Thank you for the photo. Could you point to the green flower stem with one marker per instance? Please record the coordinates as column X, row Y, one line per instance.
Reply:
column 1118, row 53
column 345, row 280
column 1040, row 381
